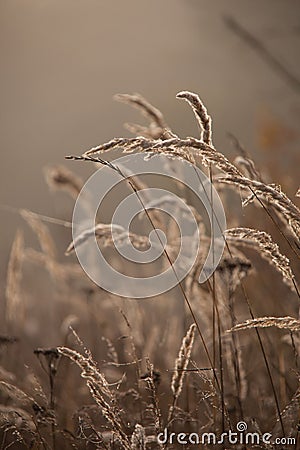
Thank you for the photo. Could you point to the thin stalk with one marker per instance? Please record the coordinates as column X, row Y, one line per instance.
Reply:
column 252, row 316
column 117, row 169
column 215, row 308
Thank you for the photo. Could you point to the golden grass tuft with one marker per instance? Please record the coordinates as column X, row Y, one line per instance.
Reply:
column 130, row 390
column 288, row 323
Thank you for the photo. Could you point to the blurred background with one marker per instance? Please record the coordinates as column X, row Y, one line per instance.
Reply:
column 63, row 60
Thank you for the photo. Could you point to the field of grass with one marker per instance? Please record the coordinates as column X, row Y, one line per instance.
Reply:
column 85, row 369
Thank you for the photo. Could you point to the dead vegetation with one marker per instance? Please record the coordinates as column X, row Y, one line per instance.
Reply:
column 128, row 387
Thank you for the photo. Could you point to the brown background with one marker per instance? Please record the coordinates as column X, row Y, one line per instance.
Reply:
column 62, row 61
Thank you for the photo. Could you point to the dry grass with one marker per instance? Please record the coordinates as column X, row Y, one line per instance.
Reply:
column 132, row 381
column 246, row 237
column 14, row 303
column 288, row 323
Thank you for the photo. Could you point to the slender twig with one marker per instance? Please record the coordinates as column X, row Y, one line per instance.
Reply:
column 263, row 51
